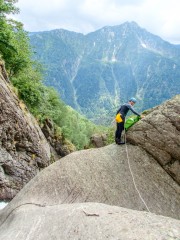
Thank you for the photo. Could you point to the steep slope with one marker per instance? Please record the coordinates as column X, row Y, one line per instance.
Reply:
column 96, row 72
column 159, row 135
column 23, row 147
column 60, row 52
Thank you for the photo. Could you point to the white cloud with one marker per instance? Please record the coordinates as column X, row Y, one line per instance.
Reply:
column 160, row 17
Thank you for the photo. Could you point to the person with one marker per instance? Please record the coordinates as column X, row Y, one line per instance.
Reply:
column 123, row 110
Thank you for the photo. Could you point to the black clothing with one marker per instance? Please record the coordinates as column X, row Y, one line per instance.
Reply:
column 120, row 128
column 123, row 110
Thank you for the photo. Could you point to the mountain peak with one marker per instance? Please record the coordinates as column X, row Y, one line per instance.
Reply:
column 95, row 72
column 131, row 24
column 120, row 26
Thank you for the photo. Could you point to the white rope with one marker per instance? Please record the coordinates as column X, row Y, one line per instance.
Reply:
column 132, row 174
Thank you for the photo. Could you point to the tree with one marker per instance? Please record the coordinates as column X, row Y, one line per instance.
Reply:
column 14, row 42
column 7, row 7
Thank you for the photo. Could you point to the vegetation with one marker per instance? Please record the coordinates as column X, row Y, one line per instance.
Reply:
column 101, row 70
column 26, row 75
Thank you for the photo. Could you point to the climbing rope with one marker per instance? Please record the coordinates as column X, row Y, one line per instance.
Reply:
column 133, row 175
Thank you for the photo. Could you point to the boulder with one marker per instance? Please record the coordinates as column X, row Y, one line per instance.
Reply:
column 86, row 221
column 159, row 134
column 23, row 148
column 98, row 140
column 103, row 175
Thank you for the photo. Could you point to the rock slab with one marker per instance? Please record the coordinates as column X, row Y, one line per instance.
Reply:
column 86, row 221
column 103, row 175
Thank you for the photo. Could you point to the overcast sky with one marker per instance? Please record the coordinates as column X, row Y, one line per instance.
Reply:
column 160, row 17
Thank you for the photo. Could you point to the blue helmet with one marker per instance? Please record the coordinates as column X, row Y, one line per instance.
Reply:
column 132, row 100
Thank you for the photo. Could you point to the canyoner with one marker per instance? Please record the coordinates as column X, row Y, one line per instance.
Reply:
column 125, row 124
column 120, row 119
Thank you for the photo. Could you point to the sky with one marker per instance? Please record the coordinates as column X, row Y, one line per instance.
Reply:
column 160, row 17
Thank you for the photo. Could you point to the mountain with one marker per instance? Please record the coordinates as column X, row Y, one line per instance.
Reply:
column 95, row 73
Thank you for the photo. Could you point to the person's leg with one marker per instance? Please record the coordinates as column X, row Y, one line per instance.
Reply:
column 117, row 133
column 120, row 128
column 117, row 130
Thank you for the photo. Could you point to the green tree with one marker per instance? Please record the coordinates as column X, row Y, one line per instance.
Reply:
column 29, row 85
column 7, row 7
column 14, row 42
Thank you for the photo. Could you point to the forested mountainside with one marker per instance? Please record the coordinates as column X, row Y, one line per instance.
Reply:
column 96, row 72
column 58, row 121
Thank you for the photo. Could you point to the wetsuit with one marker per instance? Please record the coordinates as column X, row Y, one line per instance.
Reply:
column 123, row 110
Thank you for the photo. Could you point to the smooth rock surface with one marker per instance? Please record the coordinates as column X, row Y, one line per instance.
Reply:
column 86, row 221
column 103, row 175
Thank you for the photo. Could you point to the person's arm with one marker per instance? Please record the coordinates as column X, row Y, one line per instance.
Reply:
column 130, row 108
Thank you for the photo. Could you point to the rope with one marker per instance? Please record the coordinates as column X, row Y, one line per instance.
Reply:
column 133, row 175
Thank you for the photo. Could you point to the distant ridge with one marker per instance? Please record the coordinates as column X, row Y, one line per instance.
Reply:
column 96, row 72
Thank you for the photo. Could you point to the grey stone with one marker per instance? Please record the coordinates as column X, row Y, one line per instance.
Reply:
column 159, row 134
column 59, row 146
column 86, row 221
column 103, row 175
column 98, row 140
column 24, row 150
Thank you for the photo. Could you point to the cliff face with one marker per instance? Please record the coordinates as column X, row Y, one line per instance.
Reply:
column 23, row 147
column 159, row 135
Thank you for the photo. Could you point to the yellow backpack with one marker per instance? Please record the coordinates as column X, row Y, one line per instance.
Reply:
column 119, row 118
